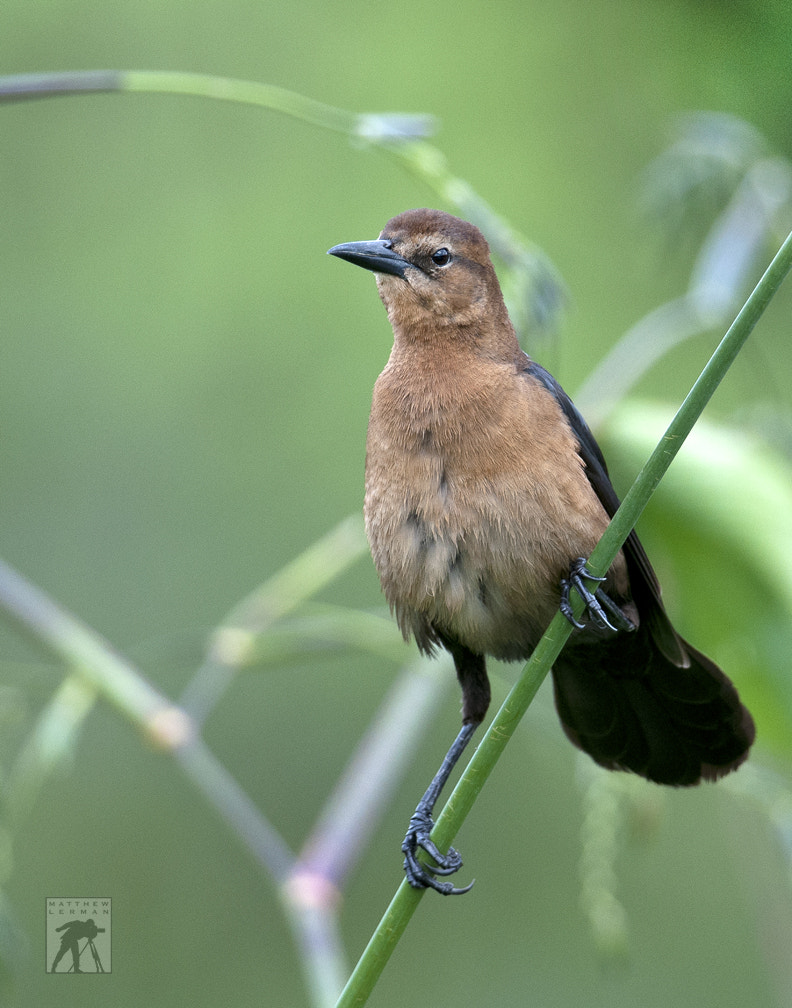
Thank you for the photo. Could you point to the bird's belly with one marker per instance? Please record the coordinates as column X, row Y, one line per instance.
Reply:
column 481, row 567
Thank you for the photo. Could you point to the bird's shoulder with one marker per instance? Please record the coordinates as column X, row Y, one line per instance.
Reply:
column 588, row 449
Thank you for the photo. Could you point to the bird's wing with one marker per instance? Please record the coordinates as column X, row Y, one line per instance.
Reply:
column 643, row 580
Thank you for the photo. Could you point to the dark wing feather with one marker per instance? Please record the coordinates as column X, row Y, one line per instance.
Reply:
column 643, row 580
column 644, row 701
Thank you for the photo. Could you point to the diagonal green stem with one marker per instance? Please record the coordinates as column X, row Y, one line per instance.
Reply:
column 405, row 901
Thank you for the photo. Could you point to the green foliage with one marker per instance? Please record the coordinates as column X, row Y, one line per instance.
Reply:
column 184, row 402
column 722, row 516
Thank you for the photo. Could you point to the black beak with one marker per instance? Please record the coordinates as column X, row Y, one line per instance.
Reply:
column 377, row 255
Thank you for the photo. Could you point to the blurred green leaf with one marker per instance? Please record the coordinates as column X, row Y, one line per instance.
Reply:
column 722, row 517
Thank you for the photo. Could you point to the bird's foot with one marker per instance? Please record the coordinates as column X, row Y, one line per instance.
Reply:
column 599, row 605
column 420, row 875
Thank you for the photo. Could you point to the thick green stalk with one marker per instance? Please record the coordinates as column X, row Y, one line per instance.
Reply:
column 402, row 907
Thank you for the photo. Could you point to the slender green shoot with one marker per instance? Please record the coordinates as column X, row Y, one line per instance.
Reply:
column 373, row 127
column 504, row 724
column 533, row 287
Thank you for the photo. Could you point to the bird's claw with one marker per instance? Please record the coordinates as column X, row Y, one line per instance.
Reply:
column 596, row 602
column 420, row 875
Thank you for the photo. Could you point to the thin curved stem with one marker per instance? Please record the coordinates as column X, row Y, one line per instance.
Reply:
column 374, row 127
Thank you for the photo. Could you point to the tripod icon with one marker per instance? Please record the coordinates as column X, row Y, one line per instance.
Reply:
column 97, row 961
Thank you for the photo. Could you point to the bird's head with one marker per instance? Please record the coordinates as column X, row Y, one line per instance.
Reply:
column 433, row 271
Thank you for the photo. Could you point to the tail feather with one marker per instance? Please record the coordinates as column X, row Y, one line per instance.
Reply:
column 631, row 708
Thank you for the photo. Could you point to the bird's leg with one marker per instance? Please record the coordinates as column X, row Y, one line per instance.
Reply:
column 599, row 605
column 472, row 674
column 419, row 875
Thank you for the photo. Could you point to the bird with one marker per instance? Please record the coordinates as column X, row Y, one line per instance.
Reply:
column 485, row 493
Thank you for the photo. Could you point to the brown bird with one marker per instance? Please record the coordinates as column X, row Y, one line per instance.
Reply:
column 485, row 492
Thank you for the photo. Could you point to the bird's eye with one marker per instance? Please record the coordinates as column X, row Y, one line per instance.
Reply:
column 442, row 257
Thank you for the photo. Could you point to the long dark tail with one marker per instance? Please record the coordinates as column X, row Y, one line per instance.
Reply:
column 631, row 708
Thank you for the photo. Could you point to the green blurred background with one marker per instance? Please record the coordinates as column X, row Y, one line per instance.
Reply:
column 185, row 387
